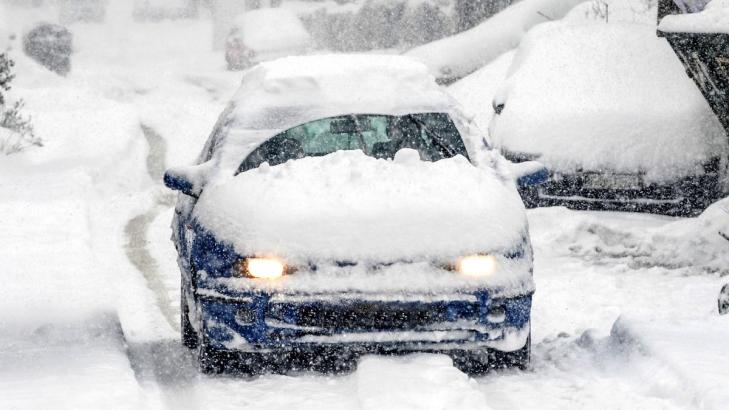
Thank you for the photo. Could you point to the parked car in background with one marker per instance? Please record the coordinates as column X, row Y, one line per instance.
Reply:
column 51, row 45
column 155, row 10
column 339, row 208
column 265, row 34
column 610, row 111
column 70, row 11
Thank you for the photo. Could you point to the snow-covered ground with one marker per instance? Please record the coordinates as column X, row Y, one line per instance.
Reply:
column 624, row 315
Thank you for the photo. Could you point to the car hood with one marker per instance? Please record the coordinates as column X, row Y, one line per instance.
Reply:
column 348, row 206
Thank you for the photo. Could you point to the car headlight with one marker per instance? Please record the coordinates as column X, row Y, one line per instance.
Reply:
column 261, row 268
column 478, row 266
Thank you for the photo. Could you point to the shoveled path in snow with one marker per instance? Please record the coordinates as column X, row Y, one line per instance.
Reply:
column 135, row 230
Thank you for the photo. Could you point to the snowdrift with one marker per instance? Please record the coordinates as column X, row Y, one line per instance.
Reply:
column 714, row 18
column 454, row 57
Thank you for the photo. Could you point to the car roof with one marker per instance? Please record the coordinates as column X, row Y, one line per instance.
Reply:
column 278, row 95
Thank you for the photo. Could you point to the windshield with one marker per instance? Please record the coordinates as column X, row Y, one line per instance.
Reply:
column 433, row 135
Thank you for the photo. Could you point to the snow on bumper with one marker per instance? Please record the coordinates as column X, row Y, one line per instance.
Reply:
column 264, row 321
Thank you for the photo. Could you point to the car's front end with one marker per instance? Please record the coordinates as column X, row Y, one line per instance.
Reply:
column 476, row 309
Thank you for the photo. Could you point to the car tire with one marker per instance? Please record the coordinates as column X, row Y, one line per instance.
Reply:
column 478, row 362
column 519, row 359
column 471, row 362
column 530, row 196
column 188, row 336
column 209, row 360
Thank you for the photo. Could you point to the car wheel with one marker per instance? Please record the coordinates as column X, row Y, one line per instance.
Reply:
column 187, row 333
column 724, row 300
column 209, row 360
column 519, row 358
column 471, row 362
column 530, row 196
column 213, row 361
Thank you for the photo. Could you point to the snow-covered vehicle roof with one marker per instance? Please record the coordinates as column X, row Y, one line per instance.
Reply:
column 271, row 29
column 698, row 16
column 277, row 95
column 609, row 97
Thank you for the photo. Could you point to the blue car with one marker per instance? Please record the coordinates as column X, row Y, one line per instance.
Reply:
column 343, row 206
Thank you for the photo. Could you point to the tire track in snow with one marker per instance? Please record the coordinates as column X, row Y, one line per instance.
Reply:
column 135, row 231
column 165, row 363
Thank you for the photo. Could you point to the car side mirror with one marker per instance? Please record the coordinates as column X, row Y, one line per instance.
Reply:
column 529, row 173
column 181, row 179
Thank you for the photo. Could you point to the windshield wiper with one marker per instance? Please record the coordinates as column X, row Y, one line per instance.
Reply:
column 433, row 137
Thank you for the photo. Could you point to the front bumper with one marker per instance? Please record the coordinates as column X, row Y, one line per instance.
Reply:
column 261, row 322
column 682, row 197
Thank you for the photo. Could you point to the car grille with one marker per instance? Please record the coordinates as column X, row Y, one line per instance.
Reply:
column 362, row 315
column 579, row 185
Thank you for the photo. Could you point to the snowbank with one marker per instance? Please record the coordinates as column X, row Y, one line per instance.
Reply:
column 689, row 246
column 714, row 18
column 361, row 208
column 624, row 103
column 270, row 29
column 459, row 55
column 416, row 382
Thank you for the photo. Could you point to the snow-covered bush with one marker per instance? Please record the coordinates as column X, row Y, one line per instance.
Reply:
column 378, row 24
column 16, row 131
column 424, row 22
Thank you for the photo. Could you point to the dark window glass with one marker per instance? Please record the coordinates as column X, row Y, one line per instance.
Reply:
column 433, row 135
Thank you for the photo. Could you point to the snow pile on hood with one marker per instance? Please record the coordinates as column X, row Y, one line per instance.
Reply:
column 281, row 94
column 714, row 18
column 270, row 29
column 459, row 55
column 348, row 206
column 605, row 97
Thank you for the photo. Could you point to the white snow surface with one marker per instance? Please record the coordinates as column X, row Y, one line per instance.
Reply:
column 714, row 18
column 361, row 208
column 386, row 384
column 80, row 327
column 273, row 29
column 461, row 54
column 605, row 97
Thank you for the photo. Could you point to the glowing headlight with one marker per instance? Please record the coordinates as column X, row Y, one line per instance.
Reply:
column 263, row 268
column 477, row 265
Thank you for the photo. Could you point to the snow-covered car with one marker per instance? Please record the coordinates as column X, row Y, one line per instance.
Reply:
column 155, row 10
column 339, row 207
column 265, row 34
column 71, row 11
column 610, row 111
column 51, row 45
